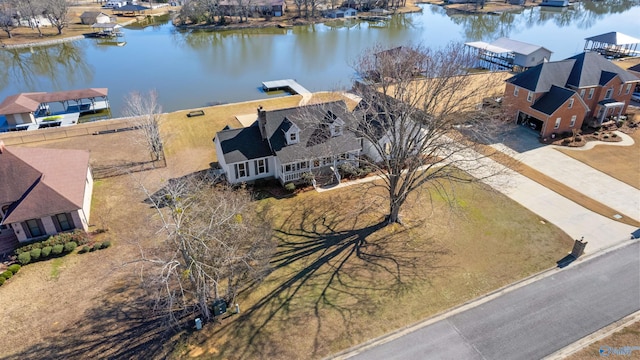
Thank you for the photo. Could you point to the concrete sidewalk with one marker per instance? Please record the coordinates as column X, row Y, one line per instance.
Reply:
column 581, row 177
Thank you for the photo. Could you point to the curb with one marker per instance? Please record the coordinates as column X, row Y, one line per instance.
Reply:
column 352, row 351
column 595, row 336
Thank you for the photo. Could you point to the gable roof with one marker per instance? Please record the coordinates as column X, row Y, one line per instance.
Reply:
column 315, row 139
column 93, row 14
column 615, row 38
column 589, row 67
column 517, row 46
column 243, row 144
column 28, row 102
column 635, row 68
column 41, row 182
column 542, row 77
column 552, row 100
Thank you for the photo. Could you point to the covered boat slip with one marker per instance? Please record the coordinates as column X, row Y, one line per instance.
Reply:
column 613, row 45
column 507, row 54
column 28, row 111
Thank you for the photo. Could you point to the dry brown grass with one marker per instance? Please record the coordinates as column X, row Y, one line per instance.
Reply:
column 26, row 35
column 340, row 279
column 629, row 336
column 619, row 162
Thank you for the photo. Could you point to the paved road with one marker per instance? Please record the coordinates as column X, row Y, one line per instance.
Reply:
column 533, row 321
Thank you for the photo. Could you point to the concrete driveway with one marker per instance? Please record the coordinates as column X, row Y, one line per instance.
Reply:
column 573, row 173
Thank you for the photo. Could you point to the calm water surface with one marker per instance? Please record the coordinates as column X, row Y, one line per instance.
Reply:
column 193, row 69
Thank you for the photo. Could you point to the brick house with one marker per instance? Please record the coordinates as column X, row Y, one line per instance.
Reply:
column 560, row 96
column 42, row 192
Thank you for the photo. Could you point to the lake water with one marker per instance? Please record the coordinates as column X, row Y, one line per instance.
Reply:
column 194, row 69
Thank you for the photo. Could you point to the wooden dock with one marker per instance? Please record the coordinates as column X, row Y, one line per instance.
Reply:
column 289, row 85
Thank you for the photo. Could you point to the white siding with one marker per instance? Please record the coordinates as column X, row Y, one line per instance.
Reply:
column 86, row 204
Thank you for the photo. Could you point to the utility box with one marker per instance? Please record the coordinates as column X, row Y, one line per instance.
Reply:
column 578, row 248
column 219, row 307
column 198, row 324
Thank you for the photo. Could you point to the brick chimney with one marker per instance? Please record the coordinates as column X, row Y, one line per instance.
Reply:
column 262, row 121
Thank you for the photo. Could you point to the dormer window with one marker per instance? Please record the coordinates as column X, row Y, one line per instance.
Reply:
column 293, row 137
column 291, row 132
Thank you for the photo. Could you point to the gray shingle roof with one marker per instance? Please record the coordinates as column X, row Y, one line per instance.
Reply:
column 315, row 140
column 243, row 144
column 541, row 77
column 552, row 100
column 588, row 69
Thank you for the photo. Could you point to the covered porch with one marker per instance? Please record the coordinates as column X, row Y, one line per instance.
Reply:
column 607, row 110
column 292, row 172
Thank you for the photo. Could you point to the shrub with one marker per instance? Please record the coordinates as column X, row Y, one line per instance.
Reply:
column 14, row 268
column 290, row 186
column 46, row 251
column 105, row 244
column 24, row 258
column 84, row 249
column 96, row 246
column 1, row 281
column 57, row 249
column 614, row 135
column 35, row 254
column 605, row 136
column 70, row 246
column 578, row 138
column 6, row 274
column 566, row 141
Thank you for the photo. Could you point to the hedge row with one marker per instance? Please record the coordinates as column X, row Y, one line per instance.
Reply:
column 95, row 247
column 7, row 274
column 37, row 254
column 77, row 236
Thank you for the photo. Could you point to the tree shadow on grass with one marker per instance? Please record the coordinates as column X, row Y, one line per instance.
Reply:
column 122, row 326
column 328, row 263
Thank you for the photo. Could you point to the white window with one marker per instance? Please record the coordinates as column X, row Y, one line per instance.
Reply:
column 293, row 137
column 288, row 168
column 242, row 170
column 573, row 121
column 620, row 91
column 515, row 91
column 591, row 91
column 570, row 103
column 530, row 97
column 303, row 165
column 262, row 166
column 582, row 93
column 608, row 94
column 628, row 89
column 557, row 123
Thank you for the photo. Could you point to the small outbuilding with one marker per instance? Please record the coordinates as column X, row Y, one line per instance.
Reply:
column 94, row 17
column 341, row 13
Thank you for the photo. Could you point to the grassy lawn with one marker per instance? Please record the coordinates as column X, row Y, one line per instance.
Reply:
column 339, row 278
column 620, row 162
column 628, row 336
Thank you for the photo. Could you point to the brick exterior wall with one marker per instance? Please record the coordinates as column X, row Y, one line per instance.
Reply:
column 519, row 103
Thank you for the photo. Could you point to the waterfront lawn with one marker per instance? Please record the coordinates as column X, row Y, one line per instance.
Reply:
column 189, row 140
column 339, row 278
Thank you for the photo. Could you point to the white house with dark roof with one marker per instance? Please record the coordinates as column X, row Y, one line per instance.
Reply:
column 43, row 192
column 285, row 144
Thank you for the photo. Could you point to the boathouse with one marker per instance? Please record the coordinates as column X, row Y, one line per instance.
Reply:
column 613, row 45
column 508, row 54
column 30, row 111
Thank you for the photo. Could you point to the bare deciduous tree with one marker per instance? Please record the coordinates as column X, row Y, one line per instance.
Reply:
column 32, row 10
column 213, row 242
column 7, row 21
column 146, row 115
column 56, row 12
column 413, row 101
